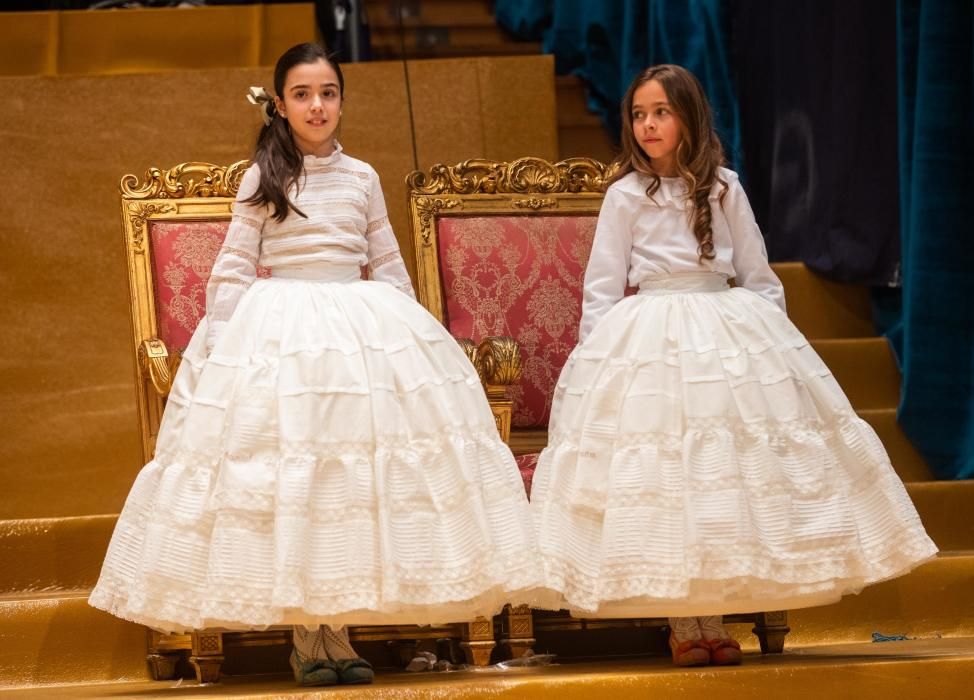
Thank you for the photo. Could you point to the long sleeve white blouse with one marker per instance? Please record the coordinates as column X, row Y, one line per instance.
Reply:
column 346, row 225
column 638, row 238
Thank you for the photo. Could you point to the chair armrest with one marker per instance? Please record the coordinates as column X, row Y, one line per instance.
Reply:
column 157, row 365
column 497, row 360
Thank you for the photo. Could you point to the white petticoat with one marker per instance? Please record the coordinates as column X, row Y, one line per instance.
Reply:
column 334, row 460
column 703, row 460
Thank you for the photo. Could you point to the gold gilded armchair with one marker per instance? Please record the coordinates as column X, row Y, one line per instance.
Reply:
column 501, row 250
column 174, row 224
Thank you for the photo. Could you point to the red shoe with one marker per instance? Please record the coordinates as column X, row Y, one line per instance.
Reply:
column 725, row 652
column 693, row 652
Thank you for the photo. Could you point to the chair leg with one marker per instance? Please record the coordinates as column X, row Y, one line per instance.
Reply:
column 163, row 654
column 162, row 667
column 771, row 629
column 207, row 656
column 517, row 631
column 478, row 641
column 403, row 650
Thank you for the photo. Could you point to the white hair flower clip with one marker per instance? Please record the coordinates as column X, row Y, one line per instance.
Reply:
column 260, row 97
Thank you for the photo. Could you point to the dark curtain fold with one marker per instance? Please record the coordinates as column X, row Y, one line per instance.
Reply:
column 817, row 88
column 931, row 324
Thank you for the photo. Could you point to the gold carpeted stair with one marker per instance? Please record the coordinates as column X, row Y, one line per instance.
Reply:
column 51, row 636
column 923, row 669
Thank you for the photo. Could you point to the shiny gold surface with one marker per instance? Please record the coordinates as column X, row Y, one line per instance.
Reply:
column 925, row 669
column 523, row 176
column 505, row 365
column 525, row 441
column 498, row 364
column 61, row 639
column 427, row 210
column 52, row 555
column 186, row 180
column 72, row 444
column 158, row 365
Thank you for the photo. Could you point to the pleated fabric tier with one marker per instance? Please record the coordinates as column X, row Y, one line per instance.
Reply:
column 703, row 460
column 334, row 460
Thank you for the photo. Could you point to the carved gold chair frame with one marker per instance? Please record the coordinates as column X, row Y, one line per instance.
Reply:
column 526, row 187
column 205, row 192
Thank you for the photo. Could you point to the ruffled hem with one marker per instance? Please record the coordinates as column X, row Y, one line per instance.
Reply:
column 720, row 593
column 203, row 540
column 166, row 609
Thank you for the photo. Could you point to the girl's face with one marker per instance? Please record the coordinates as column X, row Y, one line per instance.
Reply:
column 657, row 129
column 312, row 105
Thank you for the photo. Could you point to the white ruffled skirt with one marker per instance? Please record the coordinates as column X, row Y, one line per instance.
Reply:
column 703, row 460
column 334, row 460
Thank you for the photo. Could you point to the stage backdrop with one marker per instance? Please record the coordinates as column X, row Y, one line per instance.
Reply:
column 67, row 399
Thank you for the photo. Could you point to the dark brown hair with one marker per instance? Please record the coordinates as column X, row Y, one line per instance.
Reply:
column 698, row 156
column 279, row 159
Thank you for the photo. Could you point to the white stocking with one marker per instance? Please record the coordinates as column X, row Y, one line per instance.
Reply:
column 337, row 644
column 685, row 629
column 712, row 627
column 309, row 644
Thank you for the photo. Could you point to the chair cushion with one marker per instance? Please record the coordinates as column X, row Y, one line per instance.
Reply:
column 526, row 464
column 183, row 253
column 519, row 276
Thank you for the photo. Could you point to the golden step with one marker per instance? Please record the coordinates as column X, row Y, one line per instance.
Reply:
column 571, row 95
column 430, row 13
column 934, row 599
column 909, row 463
column 61, row 639
column 926, row 669
column 946, row 508
column 865, row 369
column 442, row 42
column 53, row 554
column 822, row 308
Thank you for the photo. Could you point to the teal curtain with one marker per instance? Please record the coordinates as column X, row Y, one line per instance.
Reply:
column 931, row 324
column 608, row 43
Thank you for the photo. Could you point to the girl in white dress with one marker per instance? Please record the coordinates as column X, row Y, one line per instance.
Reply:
column 702, row 459
column 327, row 454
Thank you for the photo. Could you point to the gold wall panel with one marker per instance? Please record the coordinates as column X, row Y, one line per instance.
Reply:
column 147, row 40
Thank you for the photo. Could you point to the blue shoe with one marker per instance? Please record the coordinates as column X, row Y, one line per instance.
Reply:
column 354, row 671
column 315, row 672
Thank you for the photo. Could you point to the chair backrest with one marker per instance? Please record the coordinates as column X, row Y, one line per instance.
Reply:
column 501, row 249
column 174, row 223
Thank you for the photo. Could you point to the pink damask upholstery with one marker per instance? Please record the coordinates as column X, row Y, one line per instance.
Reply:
column 527, row 464
column 519, row 276
column 183, row 253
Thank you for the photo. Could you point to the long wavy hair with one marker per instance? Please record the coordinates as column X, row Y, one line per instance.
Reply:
column 698, row 155
column 280, row 161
